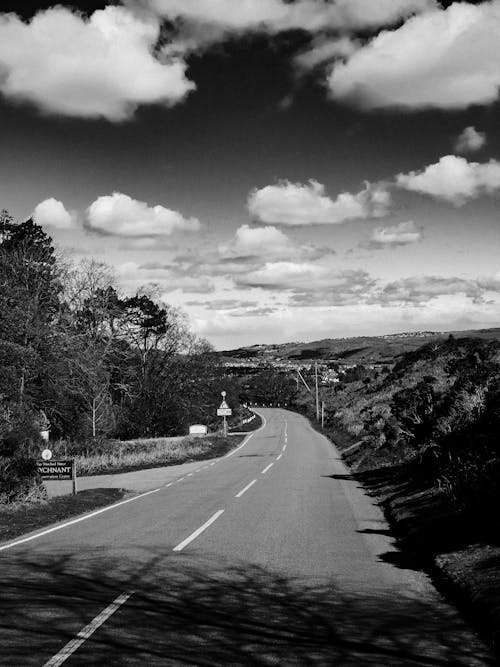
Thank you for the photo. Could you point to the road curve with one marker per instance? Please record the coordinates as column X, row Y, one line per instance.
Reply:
column 271, row 555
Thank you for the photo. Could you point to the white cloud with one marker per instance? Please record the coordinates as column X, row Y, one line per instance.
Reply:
column 277, row 15
column 167, row 278
column 422, row 289
column 295, row 204
column 120, row 215
column 51, row 213
column 454, row 179
column 323, row 50
column 445, row 58
column 470, row 140
column 102, row 66
column 258, row 241
column 403, row 234
column 256, row 244
column 310, row 282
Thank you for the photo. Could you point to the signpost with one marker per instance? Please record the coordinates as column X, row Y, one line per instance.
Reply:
column 58, row 470
column 224, row 411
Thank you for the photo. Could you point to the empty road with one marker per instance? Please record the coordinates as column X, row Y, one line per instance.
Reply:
column 268, row 556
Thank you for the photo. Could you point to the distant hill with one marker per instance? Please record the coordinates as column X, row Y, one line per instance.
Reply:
column 359, row 349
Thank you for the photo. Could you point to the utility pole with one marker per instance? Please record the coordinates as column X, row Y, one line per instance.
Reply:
column 317, row 389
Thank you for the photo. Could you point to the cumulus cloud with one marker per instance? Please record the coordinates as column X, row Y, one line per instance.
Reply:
column 295, row 204
column 454, row 179
column 165, row 278
column 418, row 290
column 470, row 140
column 51, row 213
column 102, row 66
column 251, row 243
column 323, row 50
column 405, row 233
column 120, row 215
column 277, row 15
column 446, row 58
column 310, row 283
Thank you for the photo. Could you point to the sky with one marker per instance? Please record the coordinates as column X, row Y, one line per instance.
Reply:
column 281, row 171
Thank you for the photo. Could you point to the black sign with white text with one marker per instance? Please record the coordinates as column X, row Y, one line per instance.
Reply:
column 60, row 470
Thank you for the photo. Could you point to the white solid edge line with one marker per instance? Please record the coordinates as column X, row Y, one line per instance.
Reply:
column 267, row 468
column 238, row 495
column 264, row 422
column 73, row 521
column 198, row 532
column 87, row 631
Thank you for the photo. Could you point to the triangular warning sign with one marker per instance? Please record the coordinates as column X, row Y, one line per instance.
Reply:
column 223, row 405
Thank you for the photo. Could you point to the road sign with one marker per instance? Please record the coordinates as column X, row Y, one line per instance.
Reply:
column 198, row 429
column 224, row 412
column 51, row 470
column 223, row 405
column 46, row 455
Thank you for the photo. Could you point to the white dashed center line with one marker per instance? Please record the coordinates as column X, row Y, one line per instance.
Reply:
column 87, row 631
column 198, row 532
column 238, row 495
column 278, row 457
column 267, row 468
column 284, row 447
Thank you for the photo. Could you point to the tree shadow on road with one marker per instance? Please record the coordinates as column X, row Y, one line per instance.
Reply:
column 185, row 611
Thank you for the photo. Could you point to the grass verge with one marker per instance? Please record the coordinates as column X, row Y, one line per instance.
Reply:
column 21, row 518
column 154, row 453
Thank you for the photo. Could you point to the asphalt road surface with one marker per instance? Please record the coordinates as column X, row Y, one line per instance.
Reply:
column 268, row 556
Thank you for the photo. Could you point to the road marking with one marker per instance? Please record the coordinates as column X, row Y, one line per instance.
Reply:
column 267, row 468
column 264, row 422
column 278, row 457
column 284, row 447
column 87, row 631
column 212, row 464
column 190, row 474
column 169, row 484
column 180, row 479
column 238, row 495
column 198, row 532
column 73, row 521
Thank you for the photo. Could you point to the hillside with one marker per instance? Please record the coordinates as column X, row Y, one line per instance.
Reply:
column 361, row 349
column 423, row 438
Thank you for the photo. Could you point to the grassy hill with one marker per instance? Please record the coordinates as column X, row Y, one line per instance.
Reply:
column 360, row 349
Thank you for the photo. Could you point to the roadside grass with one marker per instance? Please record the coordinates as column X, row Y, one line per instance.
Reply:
column 20, row 518
column 126, row 456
